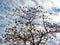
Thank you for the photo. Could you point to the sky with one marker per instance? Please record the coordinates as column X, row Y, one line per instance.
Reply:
column 53, row 7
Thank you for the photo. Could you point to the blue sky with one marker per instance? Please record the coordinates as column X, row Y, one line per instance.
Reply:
column 50, row 5
column 53, row 7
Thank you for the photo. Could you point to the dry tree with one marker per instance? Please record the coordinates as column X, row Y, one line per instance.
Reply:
column 30, row 27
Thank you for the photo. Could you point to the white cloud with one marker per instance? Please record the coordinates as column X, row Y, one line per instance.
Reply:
column 29, row 3
column 55, row 18
column 56, row 3
column 58, row 35
column 47, row 5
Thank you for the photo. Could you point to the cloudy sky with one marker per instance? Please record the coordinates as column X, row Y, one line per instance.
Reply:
column 53, row 7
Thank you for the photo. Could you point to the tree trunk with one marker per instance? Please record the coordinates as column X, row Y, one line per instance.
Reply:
column 24, row 43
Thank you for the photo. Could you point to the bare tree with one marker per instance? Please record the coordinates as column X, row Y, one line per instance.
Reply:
column 30, row 27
